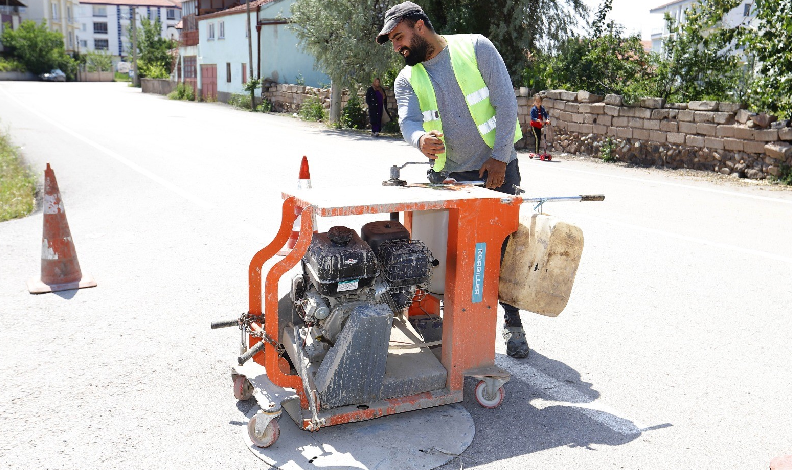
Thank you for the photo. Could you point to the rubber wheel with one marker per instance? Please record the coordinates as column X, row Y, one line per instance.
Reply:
column 549, row 158
column 530, row 155
column 489, row 402
column 268, row 437
column 242, row 389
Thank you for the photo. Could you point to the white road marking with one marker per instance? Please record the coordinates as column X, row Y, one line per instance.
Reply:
column 676, row 185
column 132, row 165
column 561, row 394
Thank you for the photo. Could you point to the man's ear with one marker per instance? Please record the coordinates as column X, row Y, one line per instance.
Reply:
column 419, row 25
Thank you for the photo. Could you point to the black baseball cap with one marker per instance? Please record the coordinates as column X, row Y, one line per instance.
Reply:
column 394, row 15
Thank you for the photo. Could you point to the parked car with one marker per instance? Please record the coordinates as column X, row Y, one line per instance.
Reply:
column 54, row 75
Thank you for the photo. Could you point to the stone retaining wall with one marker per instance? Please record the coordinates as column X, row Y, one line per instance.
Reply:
column 17, row 76
column 701, row 135
column 158, row 86
column 289, row 98
column 95, row 76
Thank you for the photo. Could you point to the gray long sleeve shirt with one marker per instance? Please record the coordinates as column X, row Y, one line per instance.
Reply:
column 465, row 149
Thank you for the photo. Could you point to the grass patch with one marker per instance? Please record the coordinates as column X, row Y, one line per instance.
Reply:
column 17, row 183
column 182, row 92
column 122, row 77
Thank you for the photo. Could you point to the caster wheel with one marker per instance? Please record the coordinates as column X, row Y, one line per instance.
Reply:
column 242, row 388
column 268, row 437
column 530, row 155
column 489, row 402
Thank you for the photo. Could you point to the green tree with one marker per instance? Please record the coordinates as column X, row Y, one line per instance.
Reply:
column 518, row 28
column 603, row 62
column 340, row 35
column 37, row 48
column 696, row 62
column 769, row 44
column 155, row 59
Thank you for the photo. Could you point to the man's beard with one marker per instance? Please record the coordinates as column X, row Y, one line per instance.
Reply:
column 419, row 49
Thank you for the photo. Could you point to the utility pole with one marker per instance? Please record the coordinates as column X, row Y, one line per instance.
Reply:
column 250, row 58
column 135, row 76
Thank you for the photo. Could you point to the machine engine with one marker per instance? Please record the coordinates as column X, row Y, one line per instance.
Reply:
column 342, row 272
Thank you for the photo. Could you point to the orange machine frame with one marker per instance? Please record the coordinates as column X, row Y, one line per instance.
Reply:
column 476, row 216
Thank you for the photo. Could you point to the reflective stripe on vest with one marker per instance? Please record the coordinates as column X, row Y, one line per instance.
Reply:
column 468, row 76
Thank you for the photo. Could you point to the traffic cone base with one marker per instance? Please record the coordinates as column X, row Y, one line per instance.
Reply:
column 35, row 286
column 60, row 269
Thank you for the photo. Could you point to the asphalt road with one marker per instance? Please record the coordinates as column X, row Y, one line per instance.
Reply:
column 674, row 350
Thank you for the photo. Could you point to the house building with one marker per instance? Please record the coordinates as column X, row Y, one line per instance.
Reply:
column 676, row 9
column 59, row 15
column 214, row 55
column 10, row 16
column 105, row 25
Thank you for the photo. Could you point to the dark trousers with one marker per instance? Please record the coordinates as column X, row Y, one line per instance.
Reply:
column 375, row 118
column 537, row 133
column 512, row 316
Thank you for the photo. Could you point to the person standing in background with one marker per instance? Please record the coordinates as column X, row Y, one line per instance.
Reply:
column 377, row 102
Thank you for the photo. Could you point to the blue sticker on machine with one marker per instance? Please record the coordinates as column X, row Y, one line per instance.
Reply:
column 478, row 272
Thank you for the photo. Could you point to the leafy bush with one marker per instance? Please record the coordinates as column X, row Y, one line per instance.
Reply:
column 353, row 116
column 392, row 127
column 122, row 77
column 240, row 101
column 182, row 92
column 607, row 151
column 98, row 61
column 265, row 106
column 153, row 70
column 11, row 65
column 785, row 177
column 312, row 110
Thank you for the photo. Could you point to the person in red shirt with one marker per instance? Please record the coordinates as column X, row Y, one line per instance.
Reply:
column 539, row 119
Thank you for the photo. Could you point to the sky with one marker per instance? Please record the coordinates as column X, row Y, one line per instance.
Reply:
column 633, row 15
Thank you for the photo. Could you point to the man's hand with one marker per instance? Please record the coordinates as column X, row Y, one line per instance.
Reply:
column 431, row 144
column 496, row 173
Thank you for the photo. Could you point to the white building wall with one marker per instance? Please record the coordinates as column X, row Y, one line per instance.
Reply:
column 119, row 26
column 230, row 49
column 677, row 11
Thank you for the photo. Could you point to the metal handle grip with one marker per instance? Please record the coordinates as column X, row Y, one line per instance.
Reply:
column 251, row 352
column 592, row 197
column 225, row 323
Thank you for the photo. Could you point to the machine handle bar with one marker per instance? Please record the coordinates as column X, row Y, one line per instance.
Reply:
column 582, row 198
column 225, row 323
column 251, row 352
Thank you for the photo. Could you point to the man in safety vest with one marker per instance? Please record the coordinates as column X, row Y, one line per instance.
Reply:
column 457, row 106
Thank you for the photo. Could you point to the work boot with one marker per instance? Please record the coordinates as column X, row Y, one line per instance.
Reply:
column 516, row 345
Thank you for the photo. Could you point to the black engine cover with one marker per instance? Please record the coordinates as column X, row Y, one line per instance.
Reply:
column 339, row 261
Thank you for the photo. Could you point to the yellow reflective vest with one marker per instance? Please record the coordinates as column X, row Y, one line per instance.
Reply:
column 468, row 76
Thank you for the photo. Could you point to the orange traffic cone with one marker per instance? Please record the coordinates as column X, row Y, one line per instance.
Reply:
column 60, row 269
column 304, row 182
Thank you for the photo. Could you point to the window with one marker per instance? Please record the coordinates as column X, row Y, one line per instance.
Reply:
column 747, row 11
column 68, row 14
column 211, row 31
column 84, row 27
column 100, row 28
column 170, row 13
column 222, row 30
column 100, row 10
column 101, row 44
column 83, row 44
column 54, row 11
column 190, row 67
column 244, row 73
column 228, row 70
column 154, row 14
column 123, row 12
column 71, row 40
